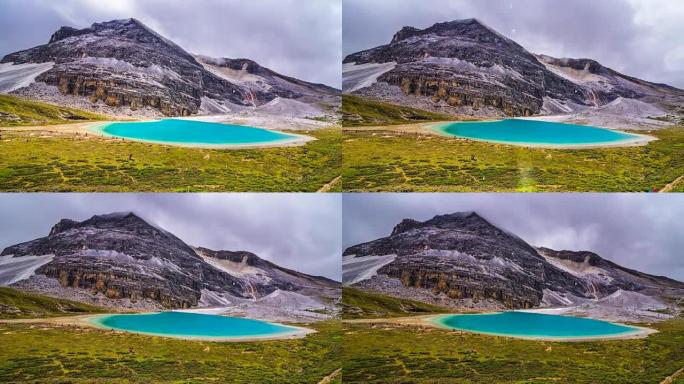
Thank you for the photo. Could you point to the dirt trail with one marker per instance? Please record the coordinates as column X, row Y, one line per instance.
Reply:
column 328, row 186
column 329, row 379
column 670, row 379
column 670, row 187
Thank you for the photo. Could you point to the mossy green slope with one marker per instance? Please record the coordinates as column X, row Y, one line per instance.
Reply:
column 68, row 163
column 398, row 162
column 17, row 111
column 15, row 304
column 358, row 111
column 358, row 304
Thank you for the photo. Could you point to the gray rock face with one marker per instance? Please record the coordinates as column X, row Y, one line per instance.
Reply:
column 123, row 257
column 463, row 256
column 277, row 276
column 123, row 62
column 254, row 77
column 465, row 65
column 605, row 277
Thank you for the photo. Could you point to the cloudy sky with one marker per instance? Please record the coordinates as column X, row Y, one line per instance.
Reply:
column 639, row 231
column 641, row 38
column 298, row 231
column 295, row 37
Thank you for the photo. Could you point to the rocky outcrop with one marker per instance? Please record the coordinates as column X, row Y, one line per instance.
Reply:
column 463, row 256
column 121, row 256
column 605, row 277
column 464, row 66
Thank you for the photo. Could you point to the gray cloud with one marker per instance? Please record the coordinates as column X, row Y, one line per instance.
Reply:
column 294, row 37
column 297, row 231
column 640, row 38
column 639, row 231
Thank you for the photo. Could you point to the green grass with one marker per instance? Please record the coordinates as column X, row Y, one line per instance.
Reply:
column 408, row 354
column 358, row 111
column 31, row 162
column 17, row 111
column 15, row 304
column 357, row 304
column 55, row 354
column 390, row 161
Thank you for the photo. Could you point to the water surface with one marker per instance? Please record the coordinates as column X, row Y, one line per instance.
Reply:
column 535, row 325
column 193, row 325
column 191, row 132
column 535, row 132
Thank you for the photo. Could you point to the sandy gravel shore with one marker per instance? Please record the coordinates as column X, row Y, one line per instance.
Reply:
column 432, row 128
column 93, row 130
column 431, row 321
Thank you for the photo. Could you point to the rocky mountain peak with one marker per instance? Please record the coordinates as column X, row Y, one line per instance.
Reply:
column 62, row 226
column 62, row 33
column 404, row 33
column 468, row 28
column 405, row 225
column 118, row 219
column 456, row 220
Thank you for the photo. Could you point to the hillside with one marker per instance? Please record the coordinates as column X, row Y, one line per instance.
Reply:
column 15, row 304
column 17, row 111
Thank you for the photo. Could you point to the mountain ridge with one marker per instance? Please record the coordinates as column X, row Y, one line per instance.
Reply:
column 126, row 64
column 122, row 260
column 467, row 67
column 463, row 260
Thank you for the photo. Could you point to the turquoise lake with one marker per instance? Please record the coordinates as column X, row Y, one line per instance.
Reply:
column 193, row 325
column 191, row 132
column 532, row 325
column 534, row 132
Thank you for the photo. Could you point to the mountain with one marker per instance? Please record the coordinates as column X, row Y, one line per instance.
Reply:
column 462, row 260
column 124, row 63
column 121, row 260
column 464, row 66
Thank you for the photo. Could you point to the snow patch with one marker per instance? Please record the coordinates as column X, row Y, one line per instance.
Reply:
column 15, row 76
column 355, row 77
column 355, row 269
column 14, row 269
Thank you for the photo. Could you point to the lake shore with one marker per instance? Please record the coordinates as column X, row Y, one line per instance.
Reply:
column 90, row 321
column 432, row 321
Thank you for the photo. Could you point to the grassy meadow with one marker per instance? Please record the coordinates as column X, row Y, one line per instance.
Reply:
column 387, row 160
column 52, row 353
column 392, row 161
column 42, row 161
column 378, row 352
